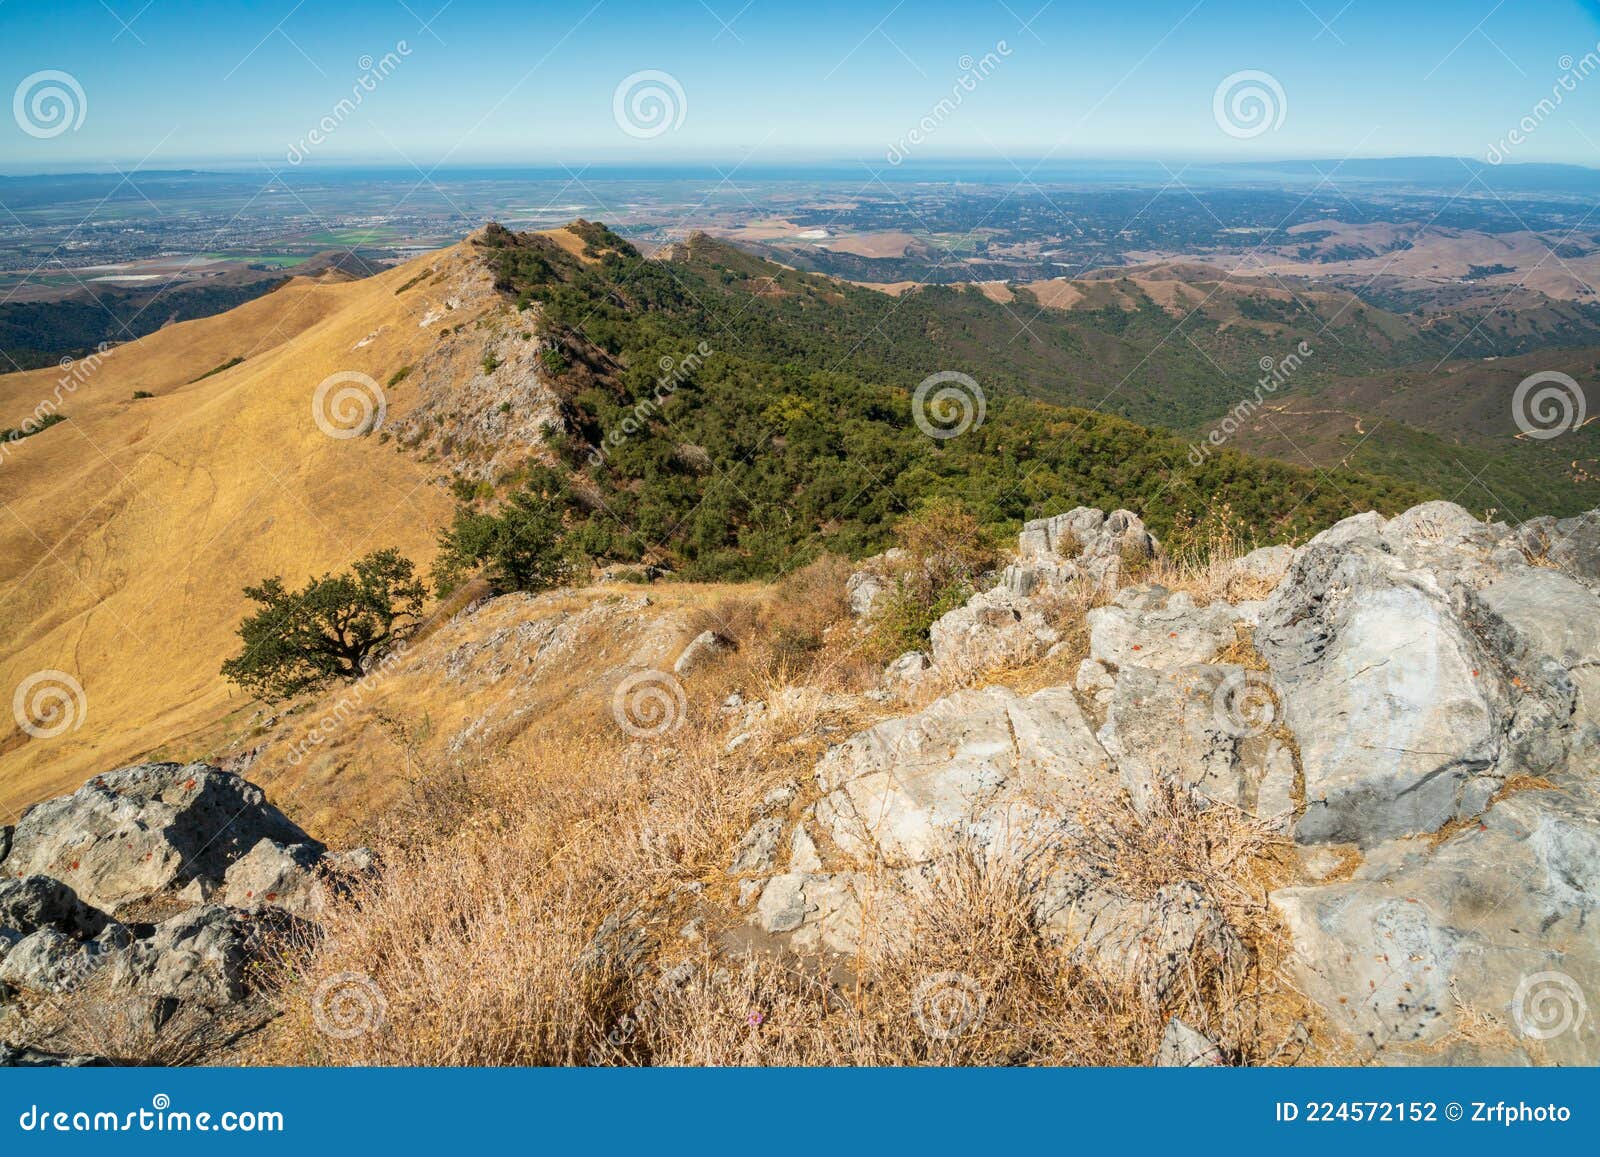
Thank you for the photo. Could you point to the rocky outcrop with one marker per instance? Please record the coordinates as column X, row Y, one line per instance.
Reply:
column 1082, row 543
column 198, row 955
column 34, row 902
column 1183, row 728
column 1153, row 628
column 1009, row 624
column 274, row 875
column 1415, row 700
column 103, row 895
column 867, row 587
column 1423, row 664
column 994, row 629
column 145, row 829
column 968, row 769
column 482, row 398
column 703, row 649
column 988, row 773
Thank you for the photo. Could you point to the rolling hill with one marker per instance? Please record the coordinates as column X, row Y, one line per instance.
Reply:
column 716, row 416
column 131, row 527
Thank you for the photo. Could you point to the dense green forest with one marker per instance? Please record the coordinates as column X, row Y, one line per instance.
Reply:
column 732, row 418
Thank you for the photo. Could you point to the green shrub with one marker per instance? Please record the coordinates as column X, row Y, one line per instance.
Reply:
column 214, row 370
column 947, row 550
column 520, row 547
column 31, row 427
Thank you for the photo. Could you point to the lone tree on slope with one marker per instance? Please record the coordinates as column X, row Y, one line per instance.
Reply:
column 333, row 628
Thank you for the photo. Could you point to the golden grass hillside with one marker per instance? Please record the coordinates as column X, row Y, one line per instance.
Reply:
column 466, row 687
column 129, row 529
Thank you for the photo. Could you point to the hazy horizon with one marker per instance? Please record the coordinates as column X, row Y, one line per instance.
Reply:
column 612, row 82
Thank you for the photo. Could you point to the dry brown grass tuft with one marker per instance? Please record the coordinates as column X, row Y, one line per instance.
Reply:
column 1200, row 555
column 531, row 906
column 519, row 892
column 92, row 1020
column 970, row 978
column 797, row 631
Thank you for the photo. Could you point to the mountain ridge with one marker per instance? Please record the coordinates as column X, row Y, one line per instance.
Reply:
column 135, row 524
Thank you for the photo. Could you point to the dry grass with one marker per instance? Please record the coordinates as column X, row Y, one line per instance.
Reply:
column 93, row 1020
column 563, row 897
column 518, row 891
column 190, row 495
column 532, row 904
column 1199, row 558
column 798, row 631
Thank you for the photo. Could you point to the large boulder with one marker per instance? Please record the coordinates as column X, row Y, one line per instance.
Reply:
column 1545, row 627
column 278, row 875
column 131, row 833
column 1440, row 676
column 1203, row 728
column 1152, row 627
column 51, row 961
column 1496, row 925
column 981, row 767
column 986, row 771
column 1395, row 705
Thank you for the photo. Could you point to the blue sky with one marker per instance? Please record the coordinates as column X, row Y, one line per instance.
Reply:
column 177, row 82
